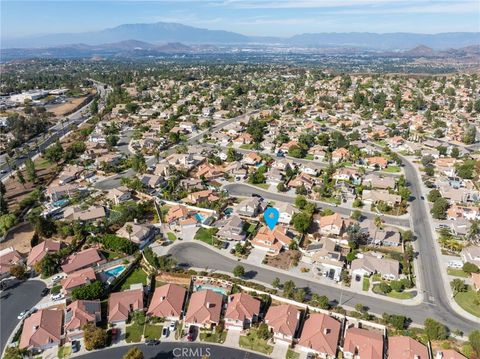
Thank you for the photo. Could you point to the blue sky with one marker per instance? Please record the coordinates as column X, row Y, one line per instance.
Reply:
column 250, row 17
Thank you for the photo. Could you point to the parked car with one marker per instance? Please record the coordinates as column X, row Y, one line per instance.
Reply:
column 165, row 332
column 58, row 296
column 22, row 315
column 44, row 292
column 151, row 342
column 57, row 278
column 172, row 326
column 75, row 346
column 191, row 333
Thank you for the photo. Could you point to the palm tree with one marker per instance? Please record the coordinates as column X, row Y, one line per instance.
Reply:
column 129, row 230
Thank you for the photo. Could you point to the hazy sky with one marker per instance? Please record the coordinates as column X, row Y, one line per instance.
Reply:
column 250, row 17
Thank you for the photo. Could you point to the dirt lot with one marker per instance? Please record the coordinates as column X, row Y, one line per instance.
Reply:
column 19, row 238
column 283, row 260
column 167, row 278
column 62, row 109
column 15, row 192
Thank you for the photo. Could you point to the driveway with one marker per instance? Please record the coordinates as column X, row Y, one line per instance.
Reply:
column 189, row 233
column 18, row 297
column 256, row 256
column 280, row 350
column 233, row 337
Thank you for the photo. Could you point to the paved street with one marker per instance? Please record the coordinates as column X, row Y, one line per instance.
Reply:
column 198, row 256
column 13, row 300
column 176, row 350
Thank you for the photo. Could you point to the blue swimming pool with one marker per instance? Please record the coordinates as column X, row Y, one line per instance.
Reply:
column 60, row 203
column 199, row 217
column 215, row 289
column 115, row 271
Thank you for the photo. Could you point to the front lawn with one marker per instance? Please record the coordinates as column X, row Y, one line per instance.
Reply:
column 134, row 333
column 253, row 342
column 469, row 301
column 309, row 157
column 457, row 273
column 213, row 337
column 171, row 236
column 206, row 235
column 366, row 284
column 153, row 331
column 262, row 185
column 64, row 351
column 291, row 354
column 392, row 169
column 136, row 276
column 400, row 295
column 247, row 146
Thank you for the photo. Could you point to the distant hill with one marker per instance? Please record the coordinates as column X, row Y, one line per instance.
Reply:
column 164, row 32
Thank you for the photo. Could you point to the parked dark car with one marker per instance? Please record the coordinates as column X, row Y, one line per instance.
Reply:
column 44, row 292
column 152, row 342
column 75, row 346
column 191, row 333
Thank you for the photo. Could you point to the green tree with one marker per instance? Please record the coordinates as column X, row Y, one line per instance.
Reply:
column 133, row 353
column 435, row 330
column 137, row 163
column 433, row 195
column 301, row 221
column 458, row 286
column 54, row 153
column 276, row 283
column 300, row 202
column 112, row 140
column 94, row 290
column 439, row 208
column 14, row 353
column 30, row 170
column 470, row 268
column 232, row 155
column 263, row 332
column 21, row 179
column 7, row 221
column 288, row 288
column 18, row 271
column 239, row 271
column 474, row 341
column 94, row 337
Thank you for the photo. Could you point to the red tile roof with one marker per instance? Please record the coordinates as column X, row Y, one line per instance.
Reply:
column 242, row 306
column 403, row 347
column 364, row 343
column 120, row 304
column 41, row 328
column 283, row 319
column 40, row 250
column 320, row 333
column 205, row 307
column 167, row 301
column 81, row 259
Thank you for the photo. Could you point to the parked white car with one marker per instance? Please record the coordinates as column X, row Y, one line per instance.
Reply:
column 58, row 296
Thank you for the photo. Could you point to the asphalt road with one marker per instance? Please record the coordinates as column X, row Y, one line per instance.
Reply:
column 13, row 300
column 240, row 189
column 197, row 256
column 176, row 350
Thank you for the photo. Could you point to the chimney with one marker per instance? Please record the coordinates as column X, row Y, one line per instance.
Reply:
column 135, row 221
column 209, row 305
column 326, row 331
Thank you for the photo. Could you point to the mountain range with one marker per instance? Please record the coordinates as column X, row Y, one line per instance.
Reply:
column 164, row 32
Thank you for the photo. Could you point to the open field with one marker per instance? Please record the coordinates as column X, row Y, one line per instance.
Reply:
column 19, row 238
column 64, row 108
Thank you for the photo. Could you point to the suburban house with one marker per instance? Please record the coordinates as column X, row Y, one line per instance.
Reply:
column 79, row 313
column 303, row 179
column 121, row 304
column 283, row 321
column 403, row 347
column 70, row 173
column 377, row 163
column 167, row 302
column 320, row 335
column 387, row 236
column 471, row 254
column 339, row 154
column 272, row 241
column 79, row 260
column 119, row 195
column 327, row 258
column 375, row 181
column 249, row 207
column 40, row 250
column 332, row 224
column 251, row 159
column 231, row 229
column 370, row 264
column 139, row 234
column 204, row 309
column 286, row 211
column 176, row 213
column 361, row 343
column 42, row 330
column 9, row 257
column 202, row 196
column 91, row 214
column 370, row 197
column 78, row 278
column 242, row 310
column 56, row 193
column 151, row 181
